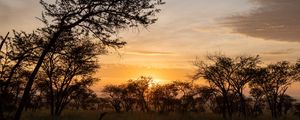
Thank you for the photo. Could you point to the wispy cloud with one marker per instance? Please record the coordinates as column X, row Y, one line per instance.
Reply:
column 271, row 20
column 280, row 52
column 150, row 53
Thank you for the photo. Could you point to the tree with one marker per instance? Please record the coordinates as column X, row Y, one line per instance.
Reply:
column 17, row 55
column 285, row 104
column 205, row 95
column 217, row 76
column 297, row 109
column 258, row 102
column 100, row 18
column 84, row 98
column 243, row 72
column 274, row 81
column 67, row 70
column 176, row 96
column 296, row 69
column 228, row 76
column 115, row 93
column 163, row 97
column 137, row 90
column 129, row 94
column 186, row 94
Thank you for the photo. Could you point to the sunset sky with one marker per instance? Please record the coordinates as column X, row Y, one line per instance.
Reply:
column 187, row 29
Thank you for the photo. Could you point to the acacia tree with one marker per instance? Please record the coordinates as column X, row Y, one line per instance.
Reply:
column 274, row 81
column 127, row 95
column 243, row 69
column 186, row 93
column 67, row 70
column 228, row 76
column 258, row 102
column 115, row 93
column 297, row 71
column 84, row 98
column 98, row 18
column 18, row 53
column 163, row 97
column 137, row 90
column 203, row 97
column 217, row 75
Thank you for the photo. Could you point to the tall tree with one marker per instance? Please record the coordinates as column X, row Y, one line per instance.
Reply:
column 99, row 18
column 273, row 81
column 217, row 75
column 67, row 69
column 17, row 55
column 228, row 76
column 244, row 71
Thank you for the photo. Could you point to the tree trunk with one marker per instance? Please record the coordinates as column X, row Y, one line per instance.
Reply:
column 224, row 109
column 1, row 97
column 243, row 104
column 3, row 41
column 29, row 84
column 1, row 108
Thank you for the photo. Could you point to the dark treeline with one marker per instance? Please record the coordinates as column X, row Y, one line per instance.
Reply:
column 66, row 75
column 227, row 80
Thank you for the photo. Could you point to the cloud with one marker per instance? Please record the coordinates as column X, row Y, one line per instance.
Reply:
column 5, row 10
column 150, row 53
column 19, row 15
column 280, row 52
column 271, row 20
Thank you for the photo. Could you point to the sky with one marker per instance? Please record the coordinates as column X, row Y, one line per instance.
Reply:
column 187, row 29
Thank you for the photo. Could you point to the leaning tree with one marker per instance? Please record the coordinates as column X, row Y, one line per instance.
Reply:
column 101, row 19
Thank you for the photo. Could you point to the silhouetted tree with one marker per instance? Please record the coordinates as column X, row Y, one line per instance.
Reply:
column 205, row 96
column 17, row 55
column 258, row 102
column 127, row 95
column 274, row 81
column 229, row 76
column 176, row 96
column 243, row 71
column 103, row 104
column 217, row 75
column 296, row 69
column 163, row 97
column 137, row 90
column 98, row 18
column 84, row 98
column 115, row 93
column 68, row 71
column 285, row 104
column 186, row 95
column 297, row 109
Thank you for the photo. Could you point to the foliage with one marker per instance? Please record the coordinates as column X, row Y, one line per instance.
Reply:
column 65, row 22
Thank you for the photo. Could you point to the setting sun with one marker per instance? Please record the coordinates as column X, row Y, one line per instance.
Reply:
column 158, row 81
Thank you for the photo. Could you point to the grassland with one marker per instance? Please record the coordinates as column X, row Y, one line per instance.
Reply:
column 94, row 115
